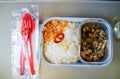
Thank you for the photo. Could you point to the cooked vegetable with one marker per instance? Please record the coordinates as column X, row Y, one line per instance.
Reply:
column 93, row 42
column 59, row 38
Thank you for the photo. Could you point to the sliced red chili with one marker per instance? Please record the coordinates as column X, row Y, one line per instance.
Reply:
column 59, row 38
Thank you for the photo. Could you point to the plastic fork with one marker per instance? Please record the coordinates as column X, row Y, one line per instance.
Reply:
column 28, row 26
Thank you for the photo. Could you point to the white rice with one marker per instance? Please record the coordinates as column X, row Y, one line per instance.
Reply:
column 65, row 51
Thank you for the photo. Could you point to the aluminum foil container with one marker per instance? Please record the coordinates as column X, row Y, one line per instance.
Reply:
column 81, row 63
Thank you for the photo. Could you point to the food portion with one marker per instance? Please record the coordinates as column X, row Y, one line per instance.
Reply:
column 54, row 28
column 60, row 41
column 93, row 42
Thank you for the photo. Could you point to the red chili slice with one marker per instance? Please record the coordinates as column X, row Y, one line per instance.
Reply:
column 59, row 38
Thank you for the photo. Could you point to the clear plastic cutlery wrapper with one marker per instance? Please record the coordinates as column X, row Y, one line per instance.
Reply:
column 25, row 43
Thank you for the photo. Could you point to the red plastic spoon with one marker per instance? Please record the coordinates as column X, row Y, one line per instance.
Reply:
column 28, row 26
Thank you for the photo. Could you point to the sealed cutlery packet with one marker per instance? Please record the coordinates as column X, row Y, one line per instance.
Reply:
column 25, row 43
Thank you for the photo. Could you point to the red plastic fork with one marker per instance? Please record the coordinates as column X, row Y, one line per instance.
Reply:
column 28, row 26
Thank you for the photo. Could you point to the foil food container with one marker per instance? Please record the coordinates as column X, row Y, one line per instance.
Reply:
column 81, row 63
